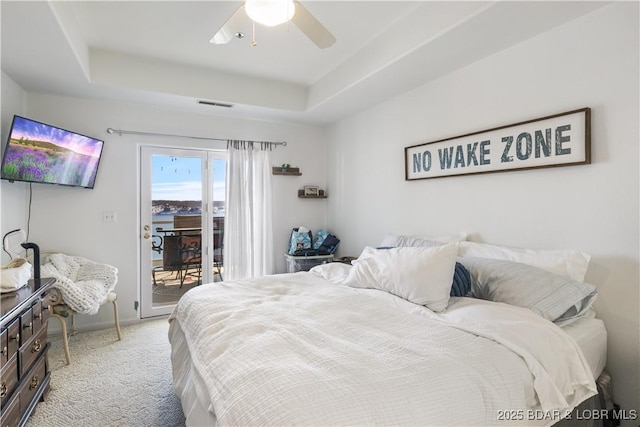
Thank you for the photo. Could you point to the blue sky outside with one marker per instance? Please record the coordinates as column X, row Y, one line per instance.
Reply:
column 178, row 178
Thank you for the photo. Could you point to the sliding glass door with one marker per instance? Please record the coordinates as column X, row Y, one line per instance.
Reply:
column 182, row 207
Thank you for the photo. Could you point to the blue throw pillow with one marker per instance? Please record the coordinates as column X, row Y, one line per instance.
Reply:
column 461, row 281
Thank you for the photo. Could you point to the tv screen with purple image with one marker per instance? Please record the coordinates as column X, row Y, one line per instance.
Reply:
column 37, row 152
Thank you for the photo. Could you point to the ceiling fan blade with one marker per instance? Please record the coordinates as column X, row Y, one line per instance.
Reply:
column 309, row 25
column 226, row 33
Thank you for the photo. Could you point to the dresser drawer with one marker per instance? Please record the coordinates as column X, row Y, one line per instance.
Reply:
column 4, row 347
column 26, row 325
column 10, row 340
column 8, row 380
column 31, row 349
column 46, row 307
column 11, row 413
column 40, row 314
column 30, row 383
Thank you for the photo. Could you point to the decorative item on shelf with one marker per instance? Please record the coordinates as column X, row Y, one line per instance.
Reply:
column 311, row 192
column 285, row 169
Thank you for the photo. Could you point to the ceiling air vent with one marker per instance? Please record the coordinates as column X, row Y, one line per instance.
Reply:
column 215, row 104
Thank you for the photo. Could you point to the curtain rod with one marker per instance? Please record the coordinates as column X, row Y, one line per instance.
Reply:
column 132, row 132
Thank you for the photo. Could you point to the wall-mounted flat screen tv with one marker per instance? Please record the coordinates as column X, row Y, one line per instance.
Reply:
column 37, row 152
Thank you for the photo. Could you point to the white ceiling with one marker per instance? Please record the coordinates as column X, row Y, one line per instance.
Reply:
column 158, row 52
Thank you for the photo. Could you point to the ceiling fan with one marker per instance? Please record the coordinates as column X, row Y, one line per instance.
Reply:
column 271, row 13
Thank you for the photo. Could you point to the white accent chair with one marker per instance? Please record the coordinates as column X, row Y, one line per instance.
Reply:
column 62, row 311
column 82, row 286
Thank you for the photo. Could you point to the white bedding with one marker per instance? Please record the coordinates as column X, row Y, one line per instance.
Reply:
column 591, row 336
column 295, row 349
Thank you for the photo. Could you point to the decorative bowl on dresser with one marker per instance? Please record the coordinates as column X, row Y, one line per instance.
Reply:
column 24, row 368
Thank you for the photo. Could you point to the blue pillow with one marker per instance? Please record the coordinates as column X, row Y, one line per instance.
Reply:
column 461, row 281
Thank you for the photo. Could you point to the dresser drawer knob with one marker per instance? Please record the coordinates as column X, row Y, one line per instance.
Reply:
column 29, row 326
column 3, row 389
column 36, row 346
column 5, row 350
column 17, row 337
column 34, row 382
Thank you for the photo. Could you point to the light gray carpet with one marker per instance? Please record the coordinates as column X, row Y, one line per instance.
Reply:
column 111, row 382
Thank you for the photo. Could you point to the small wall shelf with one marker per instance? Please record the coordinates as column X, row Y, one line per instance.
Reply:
column 322, row 195
column 277, row 170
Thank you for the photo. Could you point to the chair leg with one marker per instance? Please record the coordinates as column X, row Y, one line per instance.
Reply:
column 218, row 268
column 65, row 341
column 73, row 325
column 182, row 276
column 115, row 315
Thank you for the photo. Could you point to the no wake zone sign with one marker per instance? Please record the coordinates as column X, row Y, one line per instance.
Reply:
column 559, row 140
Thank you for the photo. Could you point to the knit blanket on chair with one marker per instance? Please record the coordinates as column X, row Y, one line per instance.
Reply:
column 84, row 284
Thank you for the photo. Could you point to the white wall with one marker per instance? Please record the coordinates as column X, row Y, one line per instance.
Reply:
column 69, row 220
column 13, row 199
column 590, row 62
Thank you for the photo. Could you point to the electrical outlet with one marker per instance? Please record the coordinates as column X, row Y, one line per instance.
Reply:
column 109, row 216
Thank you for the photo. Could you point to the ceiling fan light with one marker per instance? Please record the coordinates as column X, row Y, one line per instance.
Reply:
column 270, row 12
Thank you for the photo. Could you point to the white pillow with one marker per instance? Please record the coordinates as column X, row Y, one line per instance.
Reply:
column 334, row 272
column 565, row 262
column 417, row 274
column 393, row 240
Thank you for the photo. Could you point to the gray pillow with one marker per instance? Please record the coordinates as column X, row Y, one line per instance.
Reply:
column 554, row 297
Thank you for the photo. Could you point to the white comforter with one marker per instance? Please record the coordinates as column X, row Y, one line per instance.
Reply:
column 296, row 349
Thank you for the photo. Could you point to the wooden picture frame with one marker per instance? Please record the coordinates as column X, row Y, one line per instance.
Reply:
column 558, row 140
column 311, row 190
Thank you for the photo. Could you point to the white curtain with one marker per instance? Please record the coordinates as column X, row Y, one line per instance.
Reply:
column 248, row 247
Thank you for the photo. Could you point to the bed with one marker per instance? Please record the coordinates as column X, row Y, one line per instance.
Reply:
column 367, row 345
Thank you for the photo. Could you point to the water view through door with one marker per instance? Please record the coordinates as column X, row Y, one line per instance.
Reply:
column 182, row 224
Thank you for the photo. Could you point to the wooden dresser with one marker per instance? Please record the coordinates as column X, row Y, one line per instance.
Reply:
column 24, row 368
